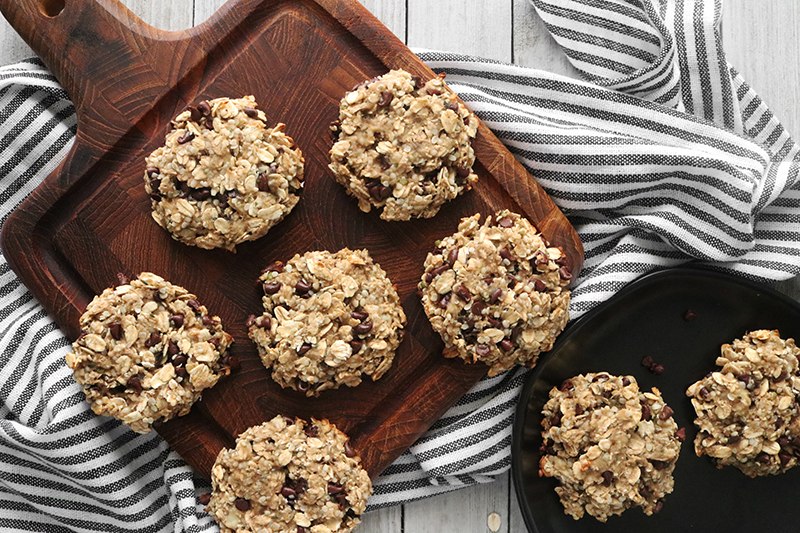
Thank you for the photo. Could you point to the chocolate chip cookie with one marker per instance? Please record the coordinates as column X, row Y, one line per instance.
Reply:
column 328, row 319
column 223, row 177
column 496, row 292
column 289, row 475
column 610, row 446
column 147, row 350
column 403, row 146
column 747, row 411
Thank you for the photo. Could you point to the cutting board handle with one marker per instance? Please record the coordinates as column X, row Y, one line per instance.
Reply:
column 73, row 37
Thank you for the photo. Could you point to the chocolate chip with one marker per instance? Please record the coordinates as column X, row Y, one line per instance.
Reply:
column 417, row 81
column 276, row 266
column 303, row 386
column 463, row 172
column 251, row 112
column 181, row 371
column 359, row 315
column 303, row 286
column 658, row 507
column 482, row 350
column 452, row 106
column 363, row 328
column 626, row 381
column 463, row 293
column 762, row 458
column 646, row 414
column 348, row 449
column 600, row 377
column 152, row 171
column 375, row 192
column 186, row 137
column 703, row 392
column 262, row 182
column 115, row 328
column 785, row 458
column 505, row 253
column 179, row 360
column 176, row 320
column 172, row 348
column 689, row 315
column 383, row 161
column 122, row 278
column 264, row 322
column 566, row 385
column 744, row 378
column 555, row 420
column 194, row 305
column 733, row 439
column 194, row 113
column 356, row 345
column 311, row 431
column 564, row 273
column 341, row 499
column 579, row 410
column 152, row 340
column 512, row 281
column 386, row 98
column 444, row 300
column 540, row 259
column 289, row 420
column 204, row 108
column 505, row 222
column 506, row 345
column 386, row 192
column 334, row 488
column 539, row 285
column 608, row 477
column 452, row 256
column 495, row 323
column 288, row 492
column 659, row 465
column 477, row 307
column 665, row 413
column 271, row 287
column 681, row 434
column 135, row 384
column 204, row 498
column 209, row 124
column 303, row 349
column 495, row 296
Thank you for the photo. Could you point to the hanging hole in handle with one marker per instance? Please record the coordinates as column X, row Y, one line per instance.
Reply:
column 51, row 8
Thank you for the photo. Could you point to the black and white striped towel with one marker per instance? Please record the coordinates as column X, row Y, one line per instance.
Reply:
column 664, row 156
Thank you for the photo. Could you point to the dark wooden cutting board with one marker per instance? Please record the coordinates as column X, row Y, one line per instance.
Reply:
column 91, row 219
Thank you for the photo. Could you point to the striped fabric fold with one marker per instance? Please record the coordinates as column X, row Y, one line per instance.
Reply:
column 662, row 156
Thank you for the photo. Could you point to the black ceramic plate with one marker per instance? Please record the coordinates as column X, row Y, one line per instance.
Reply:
column 647, row 318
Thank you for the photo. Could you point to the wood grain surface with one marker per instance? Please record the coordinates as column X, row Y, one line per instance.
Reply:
column 91, row 218
column 760, row 39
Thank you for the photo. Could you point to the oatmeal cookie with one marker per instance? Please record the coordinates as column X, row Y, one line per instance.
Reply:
column 610, row 446
column 147, row 350
column 496, row 292
column 328, row 319
column 289, row 475
column 404, row 146
column 747, row 411
column 223, row 177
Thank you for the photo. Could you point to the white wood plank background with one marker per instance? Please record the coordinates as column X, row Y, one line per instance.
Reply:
column 762, row 40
